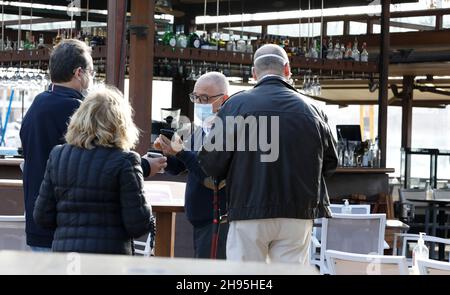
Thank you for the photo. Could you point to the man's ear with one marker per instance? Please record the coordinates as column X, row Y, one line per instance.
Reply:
column 254, row 74
column 287, row 71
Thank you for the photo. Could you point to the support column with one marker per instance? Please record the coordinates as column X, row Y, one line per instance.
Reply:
column 407, row 108
column 142, row 30
column 180, row 96
column 384, row 79
column 116, row 43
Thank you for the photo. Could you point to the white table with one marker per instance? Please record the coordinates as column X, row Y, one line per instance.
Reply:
column 29, row 263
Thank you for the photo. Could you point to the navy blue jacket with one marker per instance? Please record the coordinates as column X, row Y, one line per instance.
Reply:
column 198, row 204
column 43, row 127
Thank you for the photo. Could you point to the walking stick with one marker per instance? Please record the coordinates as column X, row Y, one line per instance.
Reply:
column 216, row 220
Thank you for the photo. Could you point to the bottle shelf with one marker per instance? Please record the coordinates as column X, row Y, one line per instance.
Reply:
column 201, row 55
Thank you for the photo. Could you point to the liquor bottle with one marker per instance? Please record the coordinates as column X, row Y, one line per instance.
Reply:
column 313, row 50
column 249, row 48
column 8, row 45
column 330, row 52
column 194, row 40
column 204, row 41
column 58, row 39
column 181, row 38
column 304, row 50
column 286, row 44
column 355, row 52
column 222, row 42
column 87, row 38
column 231, row 46
column 337, row 50
column 94, row 39
column 102, row 37
column 169, row 39
column 258, row 42
column 348, row 52
column 342, row 54
column 364, row 53
column 27, row 41
column 213, row 41
column 241, row 45
column 41, row 41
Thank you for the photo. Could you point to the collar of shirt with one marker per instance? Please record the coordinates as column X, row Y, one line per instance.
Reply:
column 65, row 91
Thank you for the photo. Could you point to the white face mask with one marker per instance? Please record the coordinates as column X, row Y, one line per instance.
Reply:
column 203, row 111
column 204, row 115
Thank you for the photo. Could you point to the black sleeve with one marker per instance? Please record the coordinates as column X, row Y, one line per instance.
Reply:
column 136, row 212
column 146, row 169
column 44, row 213
column 330, row 158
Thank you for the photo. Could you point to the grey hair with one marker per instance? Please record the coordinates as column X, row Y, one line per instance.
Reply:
column 270, row 65
column 217, row 79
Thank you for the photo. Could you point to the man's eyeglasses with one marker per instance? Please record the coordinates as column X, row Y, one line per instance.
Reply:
column 204, row 98
column 90, row 72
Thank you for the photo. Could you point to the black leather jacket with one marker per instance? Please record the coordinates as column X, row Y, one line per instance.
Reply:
column 293, row 185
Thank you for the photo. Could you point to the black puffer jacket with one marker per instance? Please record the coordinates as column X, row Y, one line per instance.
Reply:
column 292, row 184
column 93, row 199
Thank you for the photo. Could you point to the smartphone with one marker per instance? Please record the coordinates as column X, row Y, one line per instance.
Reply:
column 167, row 133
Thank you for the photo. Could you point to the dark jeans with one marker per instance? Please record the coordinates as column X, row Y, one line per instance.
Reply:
column 202, row 241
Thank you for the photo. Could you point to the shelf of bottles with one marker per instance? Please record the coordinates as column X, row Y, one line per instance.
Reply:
column 221, row 50
column 212, row 51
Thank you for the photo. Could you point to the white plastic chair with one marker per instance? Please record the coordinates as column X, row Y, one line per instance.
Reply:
column 12, row 233
column 144, row 248
column 433, row 267
column 355, row 233
column 443, row 194
column 356, row 209
column 408, row 238
column 344, row 263
column 314, row 256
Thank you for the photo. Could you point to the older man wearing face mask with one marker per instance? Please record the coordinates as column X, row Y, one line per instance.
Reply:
column 210, row 92
column 45, row 124
column 273, row 195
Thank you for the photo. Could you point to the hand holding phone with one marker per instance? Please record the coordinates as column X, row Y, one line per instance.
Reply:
column 167, row 133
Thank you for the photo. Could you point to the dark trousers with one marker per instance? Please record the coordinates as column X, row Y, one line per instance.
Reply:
column 202, row 241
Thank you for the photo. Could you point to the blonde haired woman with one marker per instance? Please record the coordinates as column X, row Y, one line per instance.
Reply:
column 92, row 192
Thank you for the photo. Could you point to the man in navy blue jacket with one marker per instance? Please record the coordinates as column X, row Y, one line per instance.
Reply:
column 210, row 91
column 45, row 124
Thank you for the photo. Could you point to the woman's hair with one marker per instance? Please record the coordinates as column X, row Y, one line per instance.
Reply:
column 103, row 119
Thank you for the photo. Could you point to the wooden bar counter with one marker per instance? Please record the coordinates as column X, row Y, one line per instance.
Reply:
column 10, row 168
column 358, row 181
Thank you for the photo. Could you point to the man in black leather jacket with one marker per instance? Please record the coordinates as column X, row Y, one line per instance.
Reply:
column 275, row 186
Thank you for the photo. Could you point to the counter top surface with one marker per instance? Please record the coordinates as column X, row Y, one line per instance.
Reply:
column 364, row 170
column 11, row 161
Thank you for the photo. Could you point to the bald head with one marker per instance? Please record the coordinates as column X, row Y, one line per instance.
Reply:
column 214, row 85
column 271, row 59
column 214, row 81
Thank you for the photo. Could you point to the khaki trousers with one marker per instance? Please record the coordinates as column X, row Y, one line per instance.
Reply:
column 283, row 240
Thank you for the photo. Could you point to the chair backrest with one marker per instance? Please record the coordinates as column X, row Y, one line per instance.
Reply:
column 433, row 267
column 443, row 193
column 407, row 238
column 12, row 233
column 337, row 209
column 413, row 194
column 143, row 248
column 416, row 194
column 354, row 233
column 344, row 263
column 356, row 209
